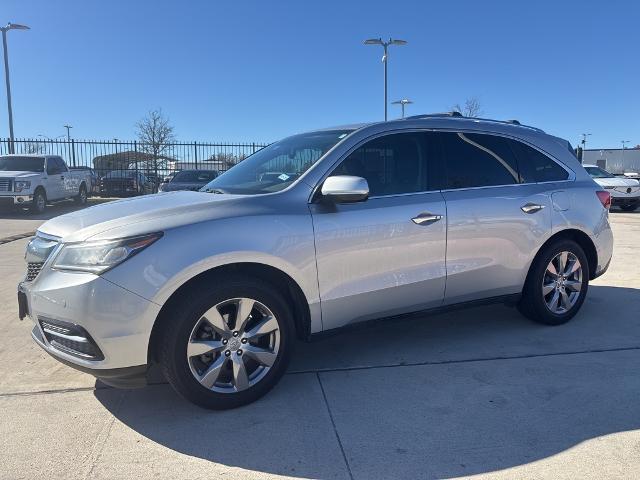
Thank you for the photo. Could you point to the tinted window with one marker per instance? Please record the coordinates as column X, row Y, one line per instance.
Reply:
column 537, row 167
column 392, row 164
column 24, row 164
column 195, row 176
column 477, row 160
column 55, row 166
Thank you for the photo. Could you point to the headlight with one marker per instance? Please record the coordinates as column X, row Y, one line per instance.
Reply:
column 98, row 257
column 21, row 185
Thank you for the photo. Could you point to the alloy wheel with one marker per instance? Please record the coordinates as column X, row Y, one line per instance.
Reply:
column 233, row 345
column 562, row 282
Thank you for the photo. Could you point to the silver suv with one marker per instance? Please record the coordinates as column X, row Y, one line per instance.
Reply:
column 312, row 233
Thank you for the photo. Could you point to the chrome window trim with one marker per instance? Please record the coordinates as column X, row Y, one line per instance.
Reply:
column 571, row 173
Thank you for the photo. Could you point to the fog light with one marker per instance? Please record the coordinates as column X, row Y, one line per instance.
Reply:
column 20, row 200
column 70, row 338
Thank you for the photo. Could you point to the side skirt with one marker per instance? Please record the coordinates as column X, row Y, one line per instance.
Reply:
column 508, row 300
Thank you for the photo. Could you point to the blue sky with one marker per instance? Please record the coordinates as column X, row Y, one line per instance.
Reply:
column 258, row 70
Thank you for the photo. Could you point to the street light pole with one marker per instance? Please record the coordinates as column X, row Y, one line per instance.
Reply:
column 623, row 142
column 68, row 136
column 10, row 26
column 385, row 60
column 584, row 141
column 403, row 102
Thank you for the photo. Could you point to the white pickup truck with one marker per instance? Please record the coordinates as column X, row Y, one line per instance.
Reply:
column 34, row 180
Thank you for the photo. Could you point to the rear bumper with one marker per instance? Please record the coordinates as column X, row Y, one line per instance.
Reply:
column 623, row 200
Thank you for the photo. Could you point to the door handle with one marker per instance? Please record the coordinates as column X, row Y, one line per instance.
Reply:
column 426, row 218
column 531, row 208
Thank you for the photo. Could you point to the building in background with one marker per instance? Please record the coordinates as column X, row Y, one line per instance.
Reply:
column 614, row 160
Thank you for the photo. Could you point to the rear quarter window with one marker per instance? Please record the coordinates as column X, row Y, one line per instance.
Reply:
column 535, row 166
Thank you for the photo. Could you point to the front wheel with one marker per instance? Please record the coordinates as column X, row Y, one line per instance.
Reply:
column 39, row 203
column 557, row 284
column 227, row 344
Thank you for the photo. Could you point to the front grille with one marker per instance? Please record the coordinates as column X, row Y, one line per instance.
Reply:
column 70, row 338
column 33, row 269
column 38, row 251
column 5, row 184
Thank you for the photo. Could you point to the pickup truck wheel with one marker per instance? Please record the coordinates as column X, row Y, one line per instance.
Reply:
column 81, row 198
column 227, row 344
column 556, row 285
column 39, row 203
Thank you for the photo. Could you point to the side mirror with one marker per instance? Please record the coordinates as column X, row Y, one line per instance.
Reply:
column 345, row 189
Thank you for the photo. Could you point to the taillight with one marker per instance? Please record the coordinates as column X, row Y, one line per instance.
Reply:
column 605, row 198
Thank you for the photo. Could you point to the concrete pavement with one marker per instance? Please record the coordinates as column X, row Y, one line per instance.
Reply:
column 480, row 392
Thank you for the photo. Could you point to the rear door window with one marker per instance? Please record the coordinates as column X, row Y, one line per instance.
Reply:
column 477, row 160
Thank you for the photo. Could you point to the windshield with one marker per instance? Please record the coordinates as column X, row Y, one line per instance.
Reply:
column 597, row 172
column 277, row 166
column 194, row 176
column 22, row 164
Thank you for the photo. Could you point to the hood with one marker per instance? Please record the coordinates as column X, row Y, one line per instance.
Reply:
column 617, row 182
column 18, row 174
column 139, row 215
column 173, row 186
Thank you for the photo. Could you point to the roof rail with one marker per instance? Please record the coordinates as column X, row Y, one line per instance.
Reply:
column 432, row 115
column 459, row 115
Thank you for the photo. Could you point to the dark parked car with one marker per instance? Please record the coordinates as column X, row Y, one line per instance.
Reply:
column 189, row 180
column 125, row 183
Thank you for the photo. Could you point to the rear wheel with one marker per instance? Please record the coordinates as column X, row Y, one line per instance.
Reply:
column 557, row 284
column 227, row 344
column 81, row 198
column 39, row 203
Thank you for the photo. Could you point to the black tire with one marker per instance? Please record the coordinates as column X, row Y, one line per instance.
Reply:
column 39, row 203
column 532, row 304
column 179, row 322
column 81, row 198
column 628, row 208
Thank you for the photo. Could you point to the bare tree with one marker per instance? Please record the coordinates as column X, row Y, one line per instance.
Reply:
column 472, row 107
column 155, row 134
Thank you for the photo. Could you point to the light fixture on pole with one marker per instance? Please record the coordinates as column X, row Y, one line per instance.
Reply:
column 68, row 136
column 10, row 26
column 403, row 102
column 584, row 140
column 385, row 60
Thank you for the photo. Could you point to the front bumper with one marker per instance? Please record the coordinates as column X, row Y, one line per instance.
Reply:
column 7, row 200
column 117, row 321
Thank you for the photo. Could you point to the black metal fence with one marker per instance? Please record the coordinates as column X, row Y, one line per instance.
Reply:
column 147, row 164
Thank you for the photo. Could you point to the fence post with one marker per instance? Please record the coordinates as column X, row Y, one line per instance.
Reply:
column 195, row 151
column 135, row 157
column 73, row 152
column 253, row 148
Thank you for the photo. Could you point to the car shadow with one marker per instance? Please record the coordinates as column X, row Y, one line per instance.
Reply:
column 460, row 393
